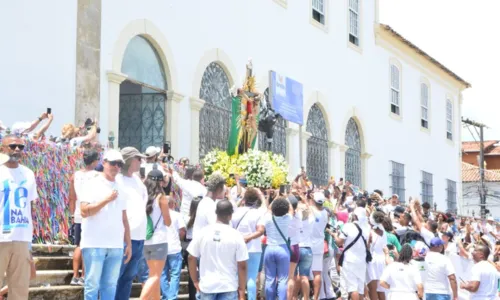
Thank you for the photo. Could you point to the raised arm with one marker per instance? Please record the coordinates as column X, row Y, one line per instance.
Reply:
column 44, row 128
column 72, row 195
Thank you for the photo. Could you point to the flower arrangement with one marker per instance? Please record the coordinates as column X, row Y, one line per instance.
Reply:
column 262, row 169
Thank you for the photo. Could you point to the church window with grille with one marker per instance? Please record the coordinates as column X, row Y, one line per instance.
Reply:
column 353, row 153
column 317, row 147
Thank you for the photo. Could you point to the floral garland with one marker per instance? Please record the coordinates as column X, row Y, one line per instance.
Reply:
column 262, row 169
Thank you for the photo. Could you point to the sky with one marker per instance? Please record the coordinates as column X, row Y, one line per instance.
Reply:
column 464, row 36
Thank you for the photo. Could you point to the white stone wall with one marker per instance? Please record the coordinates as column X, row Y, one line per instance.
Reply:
column 347, row 82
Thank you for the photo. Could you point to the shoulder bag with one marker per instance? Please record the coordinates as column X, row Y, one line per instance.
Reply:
column 287, row 241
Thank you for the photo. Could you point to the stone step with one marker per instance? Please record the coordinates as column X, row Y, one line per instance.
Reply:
column 44, row 263
column 52, row 278
column 52, row 250
column 68, row 292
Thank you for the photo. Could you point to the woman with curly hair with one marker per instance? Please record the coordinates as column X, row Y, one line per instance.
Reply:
column 377, row 241
column 277, row 254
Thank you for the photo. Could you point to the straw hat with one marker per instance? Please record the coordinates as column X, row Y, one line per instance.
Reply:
column 3, row 158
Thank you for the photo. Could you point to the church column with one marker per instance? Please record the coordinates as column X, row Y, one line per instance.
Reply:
column 172, row 115
column 364, row 166
column 196, row 104
column 331, row 158
column 114, row 81
column 343, row 149
column 305, row 137
column 292, row 155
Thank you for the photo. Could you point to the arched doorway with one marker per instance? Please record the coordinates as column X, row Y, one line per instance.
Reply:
column 142, row 96
column 215, row 116
column 317, row 147
column 353, row 153
column 278, row 145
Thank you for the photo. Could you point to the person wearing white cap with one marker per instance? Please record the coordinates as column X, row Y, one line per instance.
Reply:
column 317, row 239
column 18, row 192
column 105, row 229
column 353, row 260
column 152, row 153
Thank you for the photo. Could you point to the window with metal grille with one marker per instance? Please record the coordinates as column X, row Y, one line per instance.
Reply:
column 424, row 105
column 318, row 11
column 449, row 119
column 354, row 22
column 427, row 187
column 398, row 180
column 451, row 196
column 395, row 90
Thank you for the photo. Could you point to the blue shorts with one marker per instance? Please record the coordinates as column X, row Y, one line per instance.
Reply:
column 305, row 261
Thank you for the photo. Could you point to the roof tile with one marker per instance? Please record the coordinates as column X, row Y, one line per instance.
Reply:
column 470, row 173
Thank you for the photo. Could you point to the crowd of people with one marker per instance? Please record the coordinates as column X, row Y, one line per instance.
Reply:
column 305, row 241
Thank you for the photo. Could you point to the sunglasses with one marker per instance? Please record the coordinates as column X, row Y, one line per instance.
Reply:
column 18, row 146
column 116, row 163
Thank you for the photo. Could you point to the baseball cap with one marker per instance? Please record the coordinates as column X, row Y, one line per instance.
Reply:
column 131, row 152
column 319, row 197
column 155, row 174
column 491, row 219
column 113, row 155
column 152, row 151
column 3, row 158
column 436, row 242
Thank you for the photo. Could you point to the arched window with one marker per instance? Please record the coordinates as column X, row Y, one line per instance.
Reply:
column 353, row 154
column 278, row 144
column 317, row 147
column 215, row 116
column 142, row 97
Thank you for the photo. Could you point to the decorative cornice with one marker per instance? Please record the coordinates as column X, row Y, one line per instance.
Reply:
column 366, row 155
column 196, row 104
column 306, row 135
column 174, row 96
column 116, row 77
column 343, row 148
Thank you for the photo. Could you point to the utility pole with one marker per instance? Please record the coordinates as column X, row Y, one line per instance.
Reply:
column 482, row 187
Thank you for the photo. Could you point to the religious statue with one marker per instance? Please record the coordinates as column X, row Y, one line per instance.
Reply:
column 245, row 115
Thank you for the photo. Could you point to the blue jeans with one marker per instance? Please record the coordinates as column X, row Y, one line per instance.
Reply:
column 305, row 261
column 437, row 297
column 102, row 269
column 142, row 270
column 253, row 270
column 129, row 271
column 277, row 264
column 219, row 296
column 173, row 266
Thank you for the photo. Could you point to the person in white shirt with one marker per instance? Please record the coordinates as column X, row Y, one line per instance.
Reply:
column 136, row 197
column 77, row 181
column 156, row 244
column 389, row 208
column 191, row 188
column 484, row 281
column 205, row 213
column 223, row 258
column 247, row 220
column 173, row 266
column 353, row 260
column 440, row 281
column 17, row 190
column 305, row 251
column 377, row 242
column 294, row 229
column 318, row 239
column 104, row 229
column 401, row 278
column 237, row 192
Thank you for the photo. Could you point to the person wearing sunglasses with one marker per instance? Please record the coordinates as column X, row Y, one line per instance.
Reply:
column 18, row 191
column 105, row 229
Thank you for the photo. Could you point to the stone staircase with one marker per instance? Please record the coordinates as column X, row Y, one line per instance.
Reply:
column 54, row 273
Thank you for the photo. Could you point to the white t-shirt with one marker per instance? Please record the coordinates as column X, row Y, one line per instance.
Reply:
column 295, row 228
column 136, row 196
column 427, row 235
column 205, row 215
column 174, row 240
column 356, row 255
column 274, row 236
column 77, row 141
column 389, row 208
column 245, row 220
column 104, row 229
column 318, row 231
column 438, row 268
column 190, row 189
column 306, row 231
column 18, row 190
column 79, row 179
column 160, row 234
column 402, row 278
column 220, row 247
column 487, row 276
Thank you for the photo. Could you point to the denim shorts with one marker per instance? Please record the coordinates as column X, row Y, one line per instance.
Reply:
column 305, row 261
column 156, row 252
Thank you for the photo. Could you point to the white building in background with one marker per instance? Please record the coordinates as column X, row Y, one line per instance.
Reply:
column 377, row 110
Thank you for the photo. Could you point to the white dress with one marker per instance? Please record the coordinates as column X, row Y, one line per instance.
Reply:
column 376, row 267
